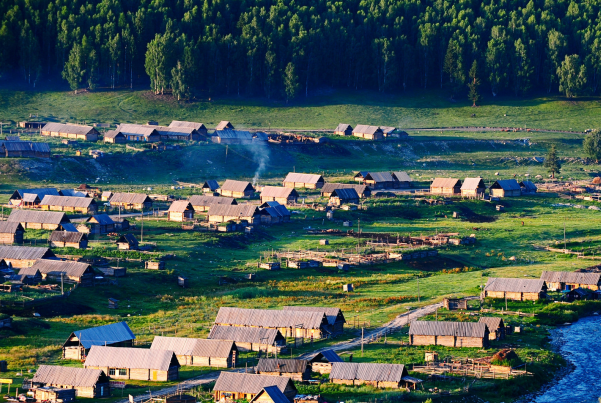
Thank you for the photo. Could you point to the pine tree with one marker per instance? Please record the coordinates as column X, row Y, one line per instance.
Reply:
column 473, row 84
column 552, row 162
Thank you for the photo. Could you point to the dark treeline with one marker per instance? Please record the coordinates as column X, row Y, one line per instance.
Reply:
column 287, row 48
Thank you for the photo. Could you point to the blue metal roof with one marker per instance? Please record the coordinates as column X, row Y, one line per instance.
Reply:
column 104, row 335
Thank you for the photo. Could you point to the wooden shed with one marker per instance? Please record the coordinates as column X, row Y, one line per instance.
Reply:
column 368, row 132
column 70, row 270
column 403, row 180
column 219, row 213
column 24, row 256
column 154, row 264
column 272, row 212
column 210, row 186
column 16, row 199
column 567, row 280
column 200, row 128
column 68, row 239
column 11, row 232
column 505, row 188
column 180, row 211
column 106, row 195
column 344, row 129
column 134, row 363
column 528, row 187
column 90, row 383
column 127, row 242
column 270, row 394
column 115, row 137
column 297, row 370
column 283, row 195
column 250, row 338
column 518, row 289
column 362, row 190
column 453, row 304
column 377, row 375
column 496, row 327
column 48, row 220
column 24, row 149
column 199, row 352
column 380, row 180
column 82, row 205
column 334, row 316
column 237, row 189
column 53, row 395
column 449, row 334
column 237, row 386
column 224, row 124
column 445, row 186
column 79, row 342
column 338, row 197
column 473, row 188
column 298, row 180
column 322, row 362
column 136, row 201
column 97, row 224
column 71, row 131
column 142, row 133
column 202, row 203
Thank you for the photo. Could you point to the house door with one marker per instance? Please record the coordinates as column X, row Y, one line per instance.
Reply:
column 154, row 375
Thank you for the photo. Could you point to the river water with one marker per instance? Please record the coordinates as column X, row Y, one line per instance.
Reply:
column 580, row 344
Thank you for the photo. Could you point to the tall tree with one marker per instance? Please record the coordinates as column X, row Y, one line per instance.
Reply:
column 30, row 58
column 474, row 84
column 592, row 145
column 74, row 68
column 291, row 85
column 572, row 76
column 552, row 163
column 496, row 59
column 180, row 82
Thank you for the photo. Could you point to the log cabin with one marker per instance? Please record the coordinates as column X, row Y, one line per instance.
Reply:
column 114, row 137
column 219, row 213
column 238, row 386
column 129, row 201
column 143, row 133
column 89, row 383
column 282, row 195
column 403, row 180
column 308, row 181
column 25, row 149
column 250, row 338
column 134, row 363
column 70, row 131
column 505, row 188
column 380, row 180
column 127, row 242
column 341, row 196
column 11, row 232
column 453, row 304
column 180, row 211
column 97, row 224
column 473, row 188
column 199, row 352
column 334, row 316
column 362, row 190
column 343, row 129
column 199, row 127
column 322, row 362
column 49, row 220
column 210, row 186
column 77, row 272
column 82, row 205
column 106, row 196
column 24, row 256
column 272, row 212
column 68, row 239
column 381, row 376
column 517, row 289
column 270, row 394
column 449, row 334
column 237, row 189
column 567, row 280
column 445, row 187
column 528, row 187
column 496, row 327
column 368, row 132
column 297, row 370
column 202, row 203
column 16, row 199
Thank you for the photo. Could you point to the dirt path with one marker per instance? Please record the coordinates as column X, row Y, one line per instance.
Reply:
column 491, row 129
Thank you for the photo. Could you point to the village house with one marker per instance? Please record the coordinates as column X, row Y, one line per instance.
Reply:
column 388, row 130
column 518, row 289
column 115, row 137
column 202, row 203
column 97, row 224
column 306, row 324
column 237, row 189
column 134, row 363
column 496, row 327
column 453, row 304
column 403, row 180
column 297, row 370
column 49, row 220
column 368, row 132
column 250, row 338
column 377, row 375
column 473, row 188
column 272, row 212
column 224, row 125
column 139, row 133
column 567, row 280
column 237, row 386
column 52, row 395
column 71, row 131
column 127, row 242
column 25, row 149
column 505, row 188
column 83, row 205
column 445, row 187
column 528, row 187
column 362, row 190
column 68, row 270
column 199, row 352
column 131, row 201
column 89, row 191
column 89, row 383
column 283, row 195
column 334, row 316
column 68, row 239
column 79, row 342
column 31, row 125
column 219, row 213
column 180, row 211
column 27, row 276
column 322, row 361
column 11, row 232
column 24, row 256
column 106, row 195
column 16, row 199
column 199, row 127
column 178, row 133
column 309, row 181
column 343, row 129
column 379, row 180
column 270, row 394
column 449, row 334
column 229, row 137
column 210, row 186
column 341, row 196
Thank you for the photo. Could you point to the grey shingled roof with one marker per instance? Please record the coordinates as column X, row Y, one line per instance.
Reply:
column 330, row 187
column 129, row 198
column 342, row 127
column 445, row 183
column 128, row 357
column 67, row 236
column 25, row 253
column 76, row 377
column 328, row 355
column 303, row 178
column 473, row 184
column 345, row 194
column 380, row 176
column 224, row 124
column 136, row 130
column 506, row 184
column 246, row 334
column 514, row 285
column 211, row 184
column 102, row 219
column 204, row 201
column 278, row 191
column 240, row 210
column 67, row 201
column 106, row 334
column 250, row 383
column 402, row 176
column 39, row 192
column 236, row 186
column 438, row 328
column 194, row 347
column 571, row 277
column 281, row 365
column 366, row 129
column 193, row 125
column 275, row 395
column 331, row 313
column 368, row 371
column 38, row 217
column 7, row 227
column 269, row 318
column 67, row 128
column 68, row 267
column 491, row 322
column 179, row 206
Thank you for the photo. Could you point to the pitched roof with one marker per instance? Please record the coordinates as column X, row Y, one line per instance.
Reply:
column 345, row 194
column 330, row 187
column 136, row 130
column 368, row 371
column 179, row 206
column 26, row 146
column 250, row 383
column 67, row 128
column 130, row 198
column 30, row 198
column 571, row 277
column 74, row 193
column 198, row 200
column 275, row 395
column 129, row 239
column 71, row 376
column 194, row 347
column 106, row 193
column 67, row 236
column 67, row 201
column 68, row 227
column 445, row 183
column 380, row 176
column 342, row 127
column 274, row 209
column 402, row 176
column 193, row 125
column 25, row 253
column 106, row 334
column 281, row 365
column 236, row 186
column 514, row 285
column 366, row 129
column 102, row 219
column 331, row 313
column 328, row 355
column 278, row 191
column 7, row 227
column 303, row 178
column 68, row 267
column 234, row 134
column 387, row 129
column 211, row 184
column 223, row 125
column 529, row 186
column 128, row 357
column 491, row 322
column 111, row 134
column 38, row 217
column 39, row 192
column 246, row 334
column 506, row 184
column 269, row 318
column 473, row 184
column 437, row 328
column 175, row 131
column 240, row 210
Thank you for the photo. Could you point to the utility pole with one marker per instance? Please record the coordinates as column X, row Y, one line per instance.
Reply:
column 565, row 245
column 418, row 297
column 142, row 233
column 362, row 329
column 226, row 148
column 62, row 289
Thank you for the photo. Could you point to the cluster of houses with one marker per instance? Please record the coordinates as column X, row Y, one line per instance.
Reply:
column 475, row 187
column 367, row 132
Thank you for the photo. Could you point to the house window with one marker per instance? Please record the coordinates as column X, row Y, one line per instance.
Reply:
column 112, row 371
column 122, row 371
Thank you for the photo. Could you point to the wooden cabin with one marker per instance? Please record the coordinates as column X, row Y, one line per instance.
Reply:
column 177, row 133
column 322, row 362
column 308, row 181
column 129, row 201
column 219, row 213
column 250, row 338
column 224, row 124
column 49, row 220
column 518, row 289
column 368, row 132
column 343, row 129
column 90, row 383
column 270, row 394
column 496, row 327
column 528, row 187
column 453, row 304
column 67, row 239
column 70, row 131
column 381, row 376
column 106, row 196
column 402, row 179
column 97, row 224
column 82, row 205
column 11, row 232
column 380, row 180
column 53, row 395
column 127, row 242
column 69, row 270
column 272, row 212
column 16, row 199
column 202, row 203
column 24, row 149
column 567, row 280
column 31, row 125
column 335, row 317
column 505, row 188
column 200, row 128
column 180, row 211
column 210, row 186
column 199, row 352
column 473, row 188
column 388, row 130
column 237, row 189
column 297, row 370
column 134, row 363
column 143, row 133
column 229, row 136
column 237, row 386
column 341, row 196
column 24, row 256
column 282, row 195
column 449, row 334
column 114, row 137
column 362, row 190
column 445, row 187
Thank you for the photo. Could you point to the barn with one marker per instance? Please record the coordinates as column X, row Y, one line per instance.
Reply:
column 445, row 186
column 496, row 327
column 473, row 188
column 449, row 334
column 210, row 186
column 341, row 196
column 202, row 203
column 71, row 204
column 135, row 201
column 49, row 220
column 219, row 213
column 309, row 181
column 68, row 239
column 127, row 242
column 180, row 211
column 177, row 133
column 25, row 149
column 134, row 363
column 362, row 190
column 297, row 370
column 199, row 127
column 71, row 131
column 237, row 189
column 238, row 386
column 368, row 132
column 16, row 199
column 528, row 187
column 322, row 361
column 24, row 256
column 199, row 352
column 334, row 316
column 377, row 375
column 505, row 188
column 97, row 224
column 250, row 338
column 380, row 180
column 79, row 342
column 69, row 270
column 343, row 129
column 272, row 212
column 11, row 232
column 115, row 137
column 518, row 289
column 567, row 280
column 89, row 383
column 283, row 195
column 403, row 180
column 139, row 133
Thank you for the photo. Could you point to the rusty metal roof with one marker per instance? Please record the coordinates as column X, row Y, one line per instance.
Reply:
column 368, row 371
column 439, row 328
column 270, row 318
column 258, row 335
column 69, row 376
column 194, row 347
column 38, row 217
column 250, row 383
column 515, row 285
column 128, row 357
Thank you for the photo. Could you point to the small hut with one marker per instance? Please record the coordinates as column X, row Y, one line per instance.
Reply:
column 297, row 370
column 180, row 211
column 322, row 361
column 127, row 242
column 210, row 186
column 496, row 327
column 445, row 186
column 237, row 189
column 344, row 196
column 505, row 188
column 452, row 304
column 473, row 188
column 368, row 132
column 343, row 129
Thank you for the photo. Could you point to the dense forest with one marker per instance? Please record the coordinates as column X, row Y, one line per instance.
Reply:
column 287, row 48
